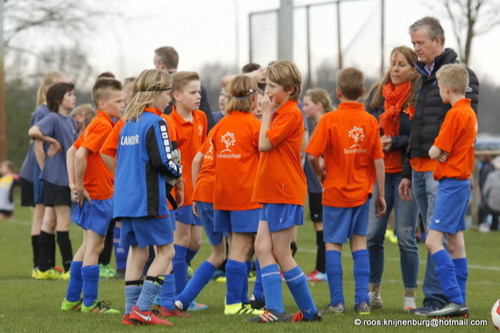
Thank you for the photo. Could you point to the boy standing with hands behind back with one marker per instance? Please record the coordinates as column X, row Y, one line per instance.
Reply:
column 349, row 141
column 454, row 151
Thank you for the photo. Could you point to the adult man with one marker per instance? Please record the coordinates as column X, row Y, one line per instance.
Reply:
column 427, row 37
column 166, row 59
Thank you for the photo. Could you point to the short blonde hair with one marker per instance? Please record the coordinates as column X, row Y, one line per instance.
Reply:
column 148, row 86
column 318, row 95
column 242, row 88
column 286, row 74
column 181, row 79
column 49, row 79
column 455, row 76
column 350, row 83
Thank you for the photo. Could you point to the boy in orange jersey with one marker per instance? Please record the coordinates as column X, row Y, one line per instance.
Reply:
column 280, row 185
column 91, row 183
column 454, row 151
column 191, row 127
column 349, row 141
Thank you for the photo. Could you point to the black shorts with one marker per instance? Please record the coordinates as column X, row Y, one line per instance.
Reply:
column 27, row 193
column 6, row 213
column 315, row 207
column 55, row 195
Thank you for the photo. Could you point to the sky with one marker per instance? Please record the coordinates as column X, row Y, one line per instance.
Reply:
column 217, row 31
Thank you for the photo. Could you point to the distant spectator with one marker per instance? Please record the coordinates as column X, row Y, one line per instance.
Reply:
column 224, row 98
column 8, row 179
column 491, row 192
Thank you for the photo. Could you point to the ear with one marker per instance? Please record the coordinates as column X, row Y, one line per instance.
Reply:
column 363, row 92
column 338, row 93
column 290, row 92
column 177, row 95
column 101, row 104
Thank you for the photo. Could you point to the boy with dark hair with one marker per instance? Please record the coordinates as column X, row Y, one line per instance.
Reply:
column 349, row 141
column 454, row 151
column 92, row 185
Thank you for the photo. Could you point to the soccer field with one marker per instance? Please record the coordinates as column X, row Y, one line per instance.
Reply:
column 27, row 305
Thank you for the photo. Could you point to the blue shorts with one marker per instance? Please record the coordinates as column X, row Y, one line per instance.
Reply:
column 282, row 216
column 145, row 231
column 95, row 216
column 171, row 218
column 240, row 221
column 206, row 211
column 37, row 185
column 185, row 215
column 340, row 224
column 452, row 199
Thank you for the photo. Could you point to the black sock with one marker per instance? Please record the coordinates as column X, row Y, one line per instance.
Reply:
column 35, row 241
column 46, row 243
column 65, row 248
column 105, row 257
column 320, row 255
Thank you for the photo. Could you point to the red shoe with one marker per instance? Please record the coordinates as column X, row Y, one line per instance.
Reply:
column 312, row 274
column 147, row 317
column 126, row 320
column 164, row 312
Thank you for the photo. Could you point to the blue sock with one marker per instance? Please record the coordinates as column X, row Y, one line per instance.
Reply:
column 235, row 277
column 199, row 280
column 131, row 296
column 271, row 281
column 334, row 272
column 74, row 290
column 90, row 277
column 180, row 268
column 361, row 275
column 244, row 294
column 190, row 255
column 462, row 271
column 445, row 271
column 147, row 296
column 258, row 292
column 121, row 252
column 296, row 281
column 167, row 292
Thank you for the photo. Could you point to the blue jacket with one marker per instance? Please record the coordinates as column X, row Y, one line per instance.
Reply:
column 144, row 160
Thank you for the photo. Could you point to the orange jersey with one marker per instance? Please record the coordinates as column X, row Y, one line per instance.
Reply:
column 98, row 180
column 349, row 141
column 236, row 150
column 190, row 137
column 393, row 161
column 280, row 178
column 204, row 186
column 111, row 143
column 457, row 136
column 423, row 164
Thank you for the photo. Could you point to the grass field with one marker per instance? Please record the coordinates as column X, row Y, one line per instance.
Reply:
column 27, row 305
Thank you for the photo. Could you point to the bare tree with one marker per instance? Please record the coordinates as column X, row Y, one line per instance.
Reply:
column 469, row 19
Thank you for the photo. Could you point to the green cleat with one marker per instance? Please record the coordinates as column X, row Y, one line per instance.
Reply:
column 106, row 271
column 99, row 307
column 241, row 309
column 450, row 310
column 71, row 306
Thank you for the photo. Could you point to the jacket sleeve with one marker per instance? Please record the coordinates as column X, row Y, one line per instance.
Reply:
column 473, row 89
column 160, row 150
column 205, row 107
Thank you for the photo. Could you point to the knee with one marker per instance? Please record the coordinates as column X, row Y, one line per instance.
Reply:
column 166, row 252
column 195, row 244
column 261, row 249
column 281, row 253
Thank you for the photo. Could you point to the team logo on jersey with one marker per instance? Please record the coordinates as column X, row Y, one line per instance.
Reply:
column 357, row 134
column 200, row 130
column 228, row 140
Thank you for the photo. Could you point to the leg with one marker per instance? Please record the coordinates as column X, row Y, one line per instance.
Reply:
column 90, row 267
column 63, row 220
column 47, row 240
column 236, row 267
column 182, row 239
column 361, row 269
column 335, row 273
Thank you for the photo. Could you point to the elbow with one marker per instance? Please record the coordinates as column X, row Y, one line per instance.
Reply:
column 265, row 148
column 32, row 132
column 311, row 158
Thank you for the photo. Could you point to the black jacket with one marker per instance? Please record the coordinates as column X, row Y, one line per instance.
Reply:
column 430, row 109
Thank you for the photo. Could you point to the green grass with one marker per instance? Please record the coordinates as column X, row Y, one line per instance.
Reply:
column 27, row 305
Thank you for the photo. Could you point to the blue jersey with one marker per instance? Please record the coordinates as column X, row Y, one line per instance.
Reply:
column 144, row 161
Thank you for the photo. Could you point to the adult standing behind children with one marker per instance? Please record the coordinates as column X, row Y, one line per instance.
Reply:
column 31, row 186
column 349, row 140
column 167, row 59
column 391, row 102
column 59, row 130
column 427, row 37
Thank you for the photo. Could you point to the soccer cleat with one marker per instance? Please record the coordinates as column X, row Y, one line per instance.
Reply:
column 218, row 273
column 68, row 306
column 241, row 309
column 450, row 310
column 362, row 308
column 106, row 271
column 195, row 306
column 375, row 296
column 338, row 309
column 221, row 279
column 409, row 304
column 147, row 317
column 100, row 307
column 256, row 304
column 391, row 237
column 428, row 307
column 190, row 272
column 126, row 320
column 50, row 274
column 164, row 312
column 299, row 316
column 319, row 276
column 64, row 276
column 34, row 273
column 270, row 316
column 252, row 276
